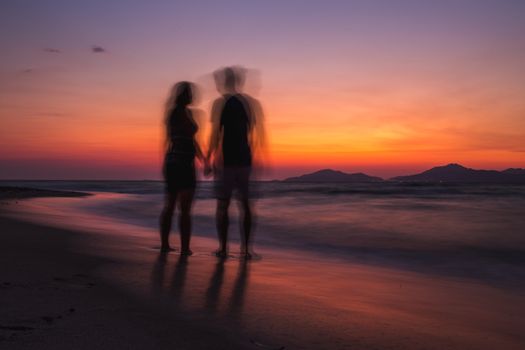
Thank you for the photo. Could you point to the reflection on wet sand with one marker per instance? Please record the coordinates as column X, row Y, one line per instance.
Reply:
column 223, row 290
column 157, row 274
column 238, row 294
column 178, row 280
column 214, row 287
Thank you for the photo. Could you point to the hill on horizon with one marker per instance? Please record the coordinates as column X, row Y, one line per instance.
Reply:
column 447, row 173
column 330, row 175
column 457, row 173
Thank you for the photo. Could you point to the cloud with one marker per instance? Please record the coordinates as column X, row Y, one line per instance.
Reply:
column 98, row 49
column 52, row 50
column 27, row 71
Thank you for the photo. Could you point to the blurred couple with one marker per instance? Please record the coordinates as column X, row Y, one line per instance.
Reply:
column 236, row 133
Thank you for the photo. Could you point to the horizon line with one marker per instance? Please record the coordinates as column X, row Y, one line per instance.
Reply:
column 267, row 180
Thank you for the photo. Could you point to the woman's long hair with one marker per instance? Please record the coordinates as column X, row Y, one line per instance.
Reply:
column 181, row 94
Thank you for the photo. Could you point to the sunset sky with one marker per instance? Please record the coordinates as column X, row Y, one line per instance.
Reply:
column 382, row 87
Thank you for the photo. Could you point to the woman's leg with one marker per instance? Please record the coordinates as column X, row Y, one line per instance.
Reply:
column 185, row 203
column 165, row 221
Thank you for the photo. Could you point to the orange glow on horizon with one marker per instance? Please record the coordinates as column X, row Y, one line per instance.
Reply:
column 303, row 140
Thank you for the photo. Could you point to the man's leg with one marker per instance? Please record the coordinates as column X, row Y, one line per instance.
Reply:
column 246, row 227
column 243, row 185
column 223, row 223
column 224, row 190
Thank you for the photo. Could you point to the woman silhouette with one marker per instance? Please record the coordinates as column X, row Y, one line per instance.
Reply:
column 179, row 165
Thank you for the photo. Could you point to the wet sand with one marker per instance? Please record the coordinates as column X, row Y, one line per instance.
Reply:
column 69, row 288
column 52, row 297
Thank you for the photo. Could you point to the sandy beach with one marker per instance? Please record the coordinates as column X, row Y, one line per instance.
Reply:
column 83, row 288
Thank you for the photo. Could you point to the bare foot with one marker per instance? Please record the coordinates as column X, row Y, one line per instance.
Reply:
column 245, row 253
column 166, row 249
column 221, row 253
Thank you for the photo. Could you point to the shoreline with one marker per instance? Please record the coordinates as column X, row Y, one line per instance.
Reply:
column 495, row 262
column 125, row 294
column 19, row 192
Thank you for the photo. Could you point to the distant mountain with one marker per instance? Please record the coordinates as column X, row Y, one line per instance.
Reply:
column 516, row 171
column 329, row 175
column 458, row 173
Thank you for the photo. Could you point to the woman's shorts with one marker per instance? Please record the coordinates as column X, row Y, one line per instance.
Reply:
column 179, row 175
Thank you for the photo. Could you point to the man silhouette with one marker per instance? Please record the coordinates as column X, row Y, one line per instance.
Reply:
column 235, row 116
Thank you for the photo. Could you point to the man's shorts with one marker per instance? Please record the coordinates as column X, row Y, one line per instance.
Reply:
column 232, row 178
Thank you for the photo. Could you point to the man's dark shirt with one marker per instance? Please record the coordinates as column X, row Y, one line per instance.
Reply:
column 236, row 123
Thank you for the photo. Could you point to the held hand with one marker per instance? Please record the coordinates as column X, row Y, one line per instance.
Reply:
column 207, row 168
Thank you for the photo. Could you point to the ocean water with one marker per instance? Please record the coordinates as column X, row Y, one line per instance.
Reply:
column 470, row 231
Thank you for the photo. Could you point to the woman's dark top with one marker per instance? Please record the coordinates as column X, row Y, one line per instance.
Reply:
column 179, row 168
